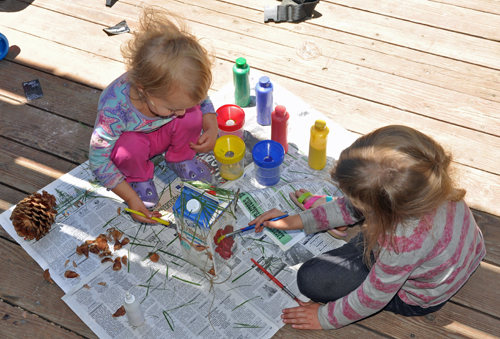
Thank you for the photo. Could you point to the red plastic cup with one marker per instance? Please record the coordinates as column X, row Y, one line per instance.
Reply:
column 230, row 120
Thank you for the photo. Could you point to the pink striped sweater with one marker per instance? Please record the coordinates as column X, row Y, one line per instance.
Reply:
column 437, row 255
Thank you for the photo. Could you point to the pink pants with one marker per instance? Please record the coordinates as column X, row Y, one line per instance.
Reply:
column 133, row 150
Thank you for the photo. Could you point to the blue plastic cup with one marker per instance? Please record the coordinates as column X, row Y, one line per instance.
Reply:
column 4, row 46
column 268, row 155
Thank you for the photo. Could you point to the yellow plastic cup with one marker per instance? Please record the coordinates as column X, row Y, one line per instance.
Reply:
column 229, row 151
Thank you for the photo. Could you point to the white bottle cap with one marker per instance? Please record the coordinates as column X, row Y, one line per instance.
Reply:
column 129, row 298
column 193, row 206
column 230, row 122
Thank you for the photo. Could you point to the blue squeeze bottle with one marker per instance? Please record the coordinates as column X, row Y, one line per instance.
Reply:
column 264, row 100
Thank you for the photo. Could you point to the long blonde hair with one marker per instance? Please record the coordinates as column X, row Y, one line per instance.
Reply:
column 391, row 175
column 163, row 57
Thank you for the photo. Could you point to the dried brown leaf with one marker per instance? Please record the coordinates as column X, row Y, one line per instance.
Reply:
column 102, row 283
column 104, row 254
column 125, row 241
column 46, row 276
column 67, row 261
column 124, row 260
column 74, row 264
column 102, row 242
column 106, row 260
column 83, row 249
column 86, row 286
column 119, row 312
column 117, row 235
column 117, row 265
column 154, row 257
column 94, row 249
column 117, row 246
column 70, row 274
column 119, row 211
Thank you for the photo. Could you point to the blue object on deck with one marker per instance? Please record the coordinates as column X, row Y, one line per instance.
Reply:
column 4, row 46
column 268, row 155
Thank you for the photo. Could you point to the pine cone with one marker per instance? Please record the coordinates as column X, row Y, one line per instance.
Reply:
column 34, row 215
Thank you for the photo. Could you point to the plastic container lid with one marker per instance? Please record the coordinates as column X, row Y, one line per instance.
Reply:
column 265, row 81
column 280, row 110
column 268, row 154
column 229, row 149
column 241, row 62
column 320, row 124
column 193, row 206
column 4, row 46
column 230, row 112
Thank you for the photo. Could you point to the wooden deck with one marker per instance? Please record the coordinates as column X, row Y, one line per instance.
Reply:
column 433, row 65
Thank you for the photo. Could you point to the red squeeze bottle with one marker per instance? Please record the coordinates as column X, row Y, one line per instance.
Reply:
column 279, row 126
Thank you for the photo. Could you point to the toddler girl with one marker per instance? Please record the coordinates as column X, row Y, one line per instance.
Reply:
column 159, row 105
column 419, row 242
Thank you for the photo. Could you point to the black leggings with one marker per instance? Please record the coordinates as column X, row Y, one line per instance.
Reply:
column 334, row 274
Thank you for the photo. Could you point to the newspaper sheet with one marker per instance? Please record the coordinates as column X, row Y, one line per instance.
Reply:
column 177, row 297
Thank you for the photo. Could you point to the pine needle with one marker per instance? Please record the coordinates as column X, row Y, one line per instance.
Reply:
column 242, row 274
column 166, row 315
column 187, row 281
column 243, row 303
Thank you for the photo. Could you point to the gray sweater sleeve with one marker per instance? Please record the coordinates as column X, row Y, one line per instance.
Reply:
column 336, row 213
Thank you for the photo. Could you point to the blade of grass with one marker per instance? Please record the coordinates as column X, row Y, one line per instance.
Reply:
column 186, row 281
column 243, row 303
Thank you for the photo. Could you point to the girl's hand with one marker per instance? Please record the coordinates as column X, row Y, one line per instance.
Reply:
column 293, row 222
column 304, row 317
column 138, row 205
column 206, row 142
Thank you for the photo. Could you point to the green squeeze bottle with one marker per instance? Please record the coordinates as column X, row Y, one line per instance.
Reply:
column 241, row 80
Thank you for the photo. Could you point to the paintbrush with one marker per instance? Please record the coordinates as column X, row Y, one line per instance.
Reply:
column 161, row 221
column 251, row 227
column 276, row 281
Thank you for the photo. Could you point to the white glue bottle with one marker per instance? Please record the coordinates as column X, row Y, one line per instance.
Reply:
column 133, row 310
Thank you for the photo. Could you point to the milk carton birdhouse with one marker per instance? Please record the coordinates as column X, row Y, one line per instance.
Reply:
column 202, row 215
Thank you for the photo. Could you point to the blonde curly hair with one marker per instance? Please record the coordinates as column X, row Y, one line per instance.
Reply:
column 164, row 57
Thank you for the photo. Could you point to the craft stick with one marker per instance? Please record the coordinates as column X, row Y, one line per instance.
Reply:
column 161, row 221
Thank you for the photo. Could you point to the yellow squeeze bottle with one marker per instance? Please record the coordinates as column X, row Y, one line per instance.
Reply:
column 317, row 145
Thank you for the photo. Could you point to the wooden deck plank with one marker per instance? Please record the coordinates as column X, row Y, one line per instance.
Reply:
column 63, row 29
column 27, row 169
column 449, row 17
column 490, row 227
column 36, row 129
column 73, row 64
column 405, row 62
column 21, row 324
column 61, row 96
column 404, row 33
column 487, row 6
column 27, row 289
column 452, row 321
column 481, row 292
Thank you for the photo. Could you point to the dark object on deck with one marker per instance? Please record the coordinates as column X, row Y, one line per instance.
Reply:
column 290, row 11
column 32, row 89
column 119, row 28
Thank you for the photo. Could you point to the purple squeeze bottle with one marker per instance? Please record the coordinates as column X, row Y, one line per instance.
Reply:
column 264, row 100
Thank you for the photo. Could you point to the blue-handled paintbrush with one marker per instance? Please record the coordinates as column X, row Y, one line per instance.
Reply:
column 251, row 227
